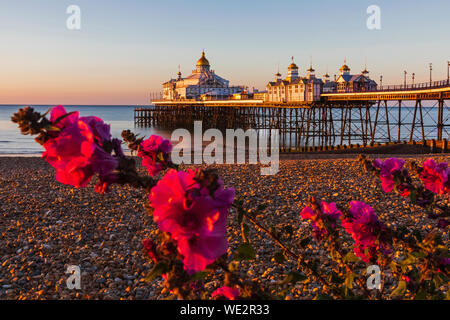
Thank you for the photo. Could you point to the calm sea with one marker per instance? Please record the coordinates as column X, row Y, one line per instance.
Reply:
column 13, row 142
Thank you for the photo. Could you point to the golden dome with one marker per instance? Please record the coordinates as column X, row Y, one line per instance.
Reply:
column 344, row 68
column 202, row 61
column 292, row 66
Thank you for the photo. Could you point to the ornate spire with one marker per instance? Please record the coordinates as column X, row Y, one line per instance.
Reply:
column 278, row 74
column 179, row 73
column 292, row 65
column 310, row 65
column 365, row 72
column 326, row 75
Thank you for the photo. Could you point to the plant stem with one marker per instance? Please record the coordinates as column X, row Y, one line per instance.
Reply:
column 288, row 251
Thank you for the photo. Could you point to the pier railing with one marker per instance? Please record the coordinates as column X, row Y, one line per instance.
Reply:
column 402, row 87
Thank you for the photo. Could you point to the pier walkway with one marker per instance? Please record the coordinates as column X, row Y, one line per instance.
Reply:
column 389, row 114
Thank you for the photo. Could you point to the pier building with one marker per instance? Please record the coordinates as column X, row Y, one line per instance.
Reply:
column 294, row 88
column 347, row 82
column 202, row 84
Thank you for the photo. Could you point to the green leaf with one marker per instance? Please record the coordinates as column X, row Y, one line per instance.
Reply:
column 409, row 260
column 418, row 255
column 51, row 128
column 437, row 280
column 421, row 295
column 438, row 296
column 294, row 277
column 199, row 275
column 393, row 266
column 245, row 252
column 350, row 257
column 349, row 280
column 279, row 257
column 240, row 215
column 244, row 232
column 157, row 270
column 400, row 290
column 63, row 116
column 413, row 196
column 322, row 296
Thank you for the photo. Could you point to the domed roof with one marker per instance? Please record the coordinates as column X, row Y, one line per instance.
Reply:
column 344, row 68
column 292, row 66
column 202, row 61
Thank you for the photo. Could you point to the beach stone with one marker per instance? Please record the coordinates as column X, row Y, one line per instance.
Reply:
column 46, row 226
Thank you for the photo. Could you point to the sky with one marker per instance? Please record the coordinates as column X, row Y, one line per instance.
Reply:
column 126, row 49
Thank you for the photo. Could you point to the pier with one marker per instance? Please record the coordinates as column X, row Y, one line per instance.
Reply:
column 338, row 119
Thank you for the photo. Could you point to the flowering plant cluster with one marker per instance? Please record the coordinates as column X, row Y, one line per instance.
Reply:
column 191, row 209
column 429, row 190
column 370, row 235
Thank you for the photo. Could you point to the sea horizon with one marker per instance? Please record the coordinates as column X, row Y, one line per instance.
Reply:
column 120, row 117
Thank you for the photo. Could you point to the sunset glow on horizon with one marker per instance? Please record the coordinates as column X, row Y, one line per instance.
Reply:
column 124, row 53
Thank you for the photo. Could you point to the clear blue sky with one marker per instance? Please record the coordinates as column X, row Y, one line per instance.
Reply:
column 126, row 49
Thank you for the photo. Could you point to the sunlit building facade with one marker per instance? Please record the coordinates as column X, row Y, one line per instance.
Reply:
column 294, row 88
column 202, row 84
column 347, row 82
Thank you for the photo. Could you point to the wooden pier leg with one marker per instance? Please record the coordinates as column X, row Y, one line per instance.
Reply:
column 387, row 120
column 308, row 124
column 440, row 124
column 399, row 120
column 421, row 121
column 332, row 133
column 349, row 125
column 296, row 129
column 363, row 130
column 411, row 136
column 343, row 123
column 313, row 110
column 375, row 123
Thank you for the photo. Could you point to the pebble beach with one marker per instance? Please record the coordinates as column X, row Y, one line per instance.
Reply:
column 46, row 226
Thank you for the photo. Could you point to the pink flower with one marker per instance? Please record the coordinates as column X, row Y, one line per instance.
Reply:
column 74, row 150
column 435, row 176
column 226, row 292
column 194, row 218
column 327, row 215
column 155, row 153
column 368, row 233
column 100, row 129
column 388, row 169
